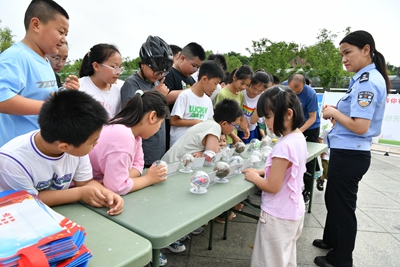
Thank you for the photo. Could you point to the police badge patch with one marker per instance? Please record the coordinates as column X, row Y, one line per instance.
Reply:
column 364, row 98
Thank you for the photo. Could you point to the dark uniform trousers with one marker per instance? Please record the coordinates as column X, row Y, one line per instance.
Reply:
column 346, row 169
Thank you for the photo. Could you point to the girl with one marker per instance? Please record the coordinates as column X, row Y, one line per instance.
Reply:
column 358, row 117
column 117, row 160
column 57, row 63
column 240, row 80
column 282, row 204
column 100, row 69
column 259, row 83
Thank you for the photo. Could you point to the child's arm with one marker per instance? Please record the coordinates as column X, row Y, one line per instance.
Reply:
column 172, row 96
column 19, row 105
column 210, row 142
column 235, row 138
column 91, row 192
column 154, row 175
column 244, row 125
column 274, row 182
column 178, row 121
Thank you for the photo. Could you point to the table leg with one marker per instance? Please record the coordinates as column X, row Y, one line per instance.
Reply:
column 312, row 185
column 210, row 238
column 156, row 257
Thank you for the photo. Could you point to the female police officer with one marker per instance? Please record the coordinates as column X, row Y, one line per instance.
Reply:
column 358, row 116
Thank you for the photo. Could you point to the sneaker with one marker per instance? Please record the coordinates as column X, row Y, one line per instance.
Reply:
column 163, row 260
column 198, row 231
column 317, row 174
column 320, row 184
column 176, row 247
column 306, row 196
column 184, row 238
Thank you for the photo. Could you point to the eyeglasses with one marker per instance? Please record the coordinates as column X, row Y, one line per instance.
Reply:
column 158, row 72
column 58, row 60
column 194, row 66
column 236, row 126
column 116, row 69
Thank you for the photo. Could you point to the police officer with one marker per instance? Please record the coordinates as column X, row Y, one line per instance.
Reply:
column 358, row 116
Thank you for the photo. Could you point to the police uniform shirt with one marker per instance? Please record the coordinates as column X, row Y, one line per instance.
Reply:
column 366, row 98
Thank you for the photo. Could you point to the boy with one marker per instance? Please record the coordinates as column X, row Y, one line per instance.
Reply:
column 155, row 61
column 205, row 135
column 194, row 105
column 27, row 78
column 179, row 78
column 323, row 138
column 45, row 161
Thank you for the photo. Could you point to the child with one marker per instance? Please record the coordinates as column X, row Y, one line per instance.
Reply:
column 57, row 62
column 155, row 62
column 205, row 135
column 27, row 78
column 179, row 78
column 240, row 80
column 282, row 204
column 194, row 105
column 176, row 51
column 117, row 160
column 100, row 69
column 323, row 138
column 259, row 83
column 46, row 161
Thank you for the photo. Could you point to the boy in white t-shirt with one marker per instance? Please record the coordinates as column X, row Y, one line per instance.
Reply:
column 46, row 161
column 206, row 135
column 323, row 138
column 194, row 104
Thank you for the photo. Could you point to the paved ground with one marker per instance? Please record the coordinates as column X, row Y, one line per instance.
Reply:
column 378, row 214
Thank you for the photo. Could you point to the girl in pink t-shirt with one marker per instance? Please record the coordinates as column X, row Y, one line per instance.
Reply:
column 282, row 204
column 117, row 159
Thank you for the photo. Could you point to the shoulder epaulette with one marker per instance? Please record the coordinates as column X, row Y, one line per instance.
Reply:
column 364, row 77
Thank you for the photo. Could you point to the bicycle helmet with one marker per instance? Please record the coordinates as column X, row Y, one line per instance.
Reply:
column 156, row 53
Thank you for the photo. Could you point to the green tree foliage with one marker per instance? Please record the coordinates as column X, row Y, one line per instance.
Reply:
column 6, row 38
column 323, row 61
column 278, row 58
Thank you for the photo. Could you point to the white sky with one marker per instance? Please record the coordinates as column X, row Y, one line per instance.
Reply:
column 219, row 25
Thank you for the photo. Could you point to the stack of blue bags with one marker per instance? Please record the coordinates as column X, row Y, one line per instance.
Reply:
column 32, row 234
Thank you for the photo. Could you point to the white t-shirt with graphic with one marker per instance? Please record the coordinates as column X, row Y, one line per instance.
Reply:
column 190, row 106
column 24, row 167
column 248, row 107
column 111, row 99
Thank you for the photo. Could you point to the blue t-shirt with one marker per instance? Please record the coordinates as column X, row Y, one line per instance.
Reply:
column 309, row 103
column 23, row 72
column 366, row 98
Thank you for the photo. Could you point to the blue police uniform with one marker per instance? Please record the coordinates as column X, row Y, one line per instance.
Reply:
column 349, row 160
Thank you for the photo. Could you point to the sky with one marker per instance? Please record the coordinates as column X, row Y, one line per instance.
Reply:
column 219, row 25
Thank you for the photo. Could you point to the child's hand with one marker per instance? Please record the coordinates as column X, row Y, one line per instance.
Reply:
column 115, row 203
column 93, row 196
column 250, row 174
column 72, row 82
column 162, row 88
column 197, row 154
column 156, row 174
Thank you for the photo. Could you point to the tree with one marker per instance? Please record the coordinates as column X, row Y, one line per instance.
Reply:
column 278, row 58
column 6, row 38
column 323, row 60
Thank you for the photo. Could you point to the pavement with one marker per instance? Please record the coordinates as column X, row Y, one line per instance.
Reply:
column 378, row 215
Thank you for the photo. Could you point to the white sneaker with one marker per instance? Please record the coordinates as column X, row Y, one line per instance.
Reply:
column 184, row 238
column 176, row 247
column 198, row 230
column 163, row 260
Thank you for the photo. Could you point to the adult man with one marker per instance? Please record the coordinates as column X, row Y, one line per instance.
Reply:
column 310, row 127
